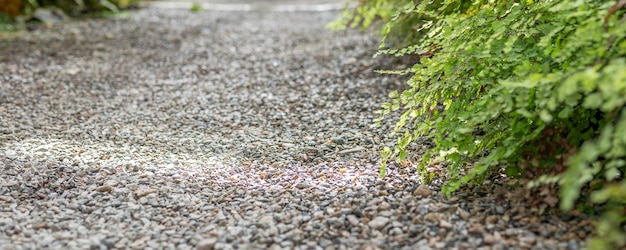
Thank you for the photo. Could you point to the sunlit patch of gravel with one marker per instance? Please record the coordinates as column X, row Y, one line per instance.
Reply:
column 223, row 130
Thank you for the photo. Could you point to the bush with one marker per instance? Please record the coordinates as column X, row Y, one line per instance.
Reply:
column 534, row 88
column 10, row 8
column 13, row 8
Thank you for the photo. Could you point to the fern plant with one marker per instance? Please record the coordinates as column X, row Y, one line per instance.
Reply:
column 537, row 88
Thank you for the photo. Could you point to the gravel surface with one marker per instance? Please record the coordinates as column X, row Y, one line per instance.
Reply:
column 225, row 130
column 249, row 5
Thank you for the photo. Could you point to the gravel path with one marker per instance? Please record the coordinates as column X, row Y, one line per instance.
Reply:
column 249, row 5
column 224, row 130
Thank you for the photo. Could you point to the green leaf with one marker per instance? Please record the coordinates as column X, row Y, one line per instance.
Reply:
column 589, row 152
column 567, row 89
column 566, row 112
column 545, row 116
column 611, row 174
column 402, row 155
column 109, row 5
column 613, row 103
column 600, row 196
column 525, row 113
column 551, row 104
column 393, row 94
column 593, row 101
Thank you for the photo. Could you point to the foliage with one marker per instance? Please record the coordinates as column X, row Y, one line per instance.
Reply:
column 195, row 7
column 365, row 14
column 10, row 8
column 7, row 24
column 14, row 8
column 536, row 88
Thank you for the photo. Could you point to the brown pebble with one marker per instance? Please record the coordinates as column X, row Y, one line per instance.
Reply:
column 146, row 175
column 490, row 239
column 369, row 247
column 41, row 225
column 463, row 214
column 506, row 218
column 454, row 199
column 528, row 240
column 585, row 223
column 476, row 228
column 491, row 219
column 422, row 190
column 551, row 200
column 434, row 217
column 440, row 207
column 569, row 236
column 105, row 188
column 445, row 224
column 143, row 192
column 432, row 241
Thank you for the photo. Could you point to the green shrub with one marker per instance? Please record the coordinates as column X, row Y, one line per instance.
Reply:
column 365, row 14
column 536, row 88
column 76, row 8
column 70, row 7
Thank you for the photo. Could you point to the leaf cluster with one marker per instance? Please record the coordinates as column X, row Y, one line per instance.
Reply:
column 13, row 8
column 534, row 88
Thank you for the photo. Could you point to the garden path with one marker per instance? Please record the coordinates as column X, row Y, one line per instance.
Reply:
column 165, row 129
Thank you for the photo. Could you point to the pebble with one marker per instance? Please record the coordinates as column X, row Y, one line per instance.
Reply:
column 354, row 221
column 528, row 240
column 302, row 185
column 266, row 220
column 492, row 238
column 378, row 223
column 463, row 214
column 105, row 188
column 338, row 141
column 143, row 192
column 491, row 219
column 351, row 150
column 445, row 224
column 423, row 191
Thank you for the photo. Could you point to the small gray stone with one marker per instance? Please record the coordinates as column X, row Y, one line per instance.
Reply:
column 572, row 244
column 351, row 150
column 338, row 141
column 378, row 223
column 266, row 220
column 353, row 220
column 61, row 235
column 302, row 185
